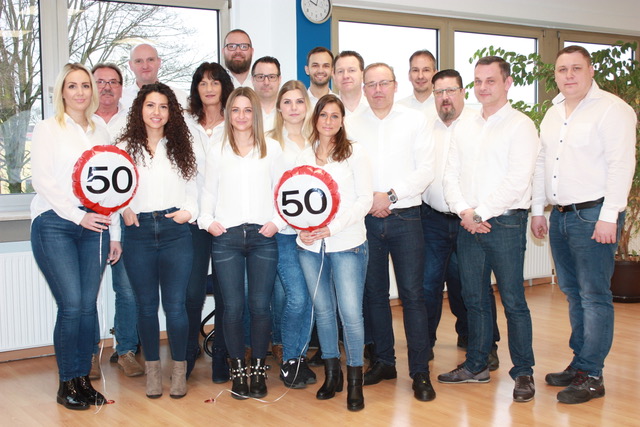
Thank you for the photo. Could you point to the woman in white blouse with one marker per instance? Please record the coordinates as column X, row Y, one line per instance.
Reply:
column 238, row 210
column 70, row 243
column 158, row 249
column 291, row 129
column 210, row 89
column 334, row 257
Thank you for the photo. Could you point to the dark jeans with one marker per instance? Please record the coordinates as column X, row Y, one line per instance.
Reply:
column 440, row 233
column 72, row 260
column 241, row 248
column 197, row 287
column 500, row 251
column 399, row 234
column 158, row 256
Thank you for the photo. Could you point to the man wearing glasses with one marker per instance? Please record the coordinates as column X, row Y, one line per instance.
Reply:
column 422, row 67
column 238, row 54
column 265, row 75
column 396, row 138
column 440, row 226
column 113, row 115
column 487, row 182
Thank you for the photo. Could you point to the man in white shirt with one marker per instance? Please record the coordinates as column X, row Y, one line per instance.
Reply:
column 238, row 54
column 145, row 63
column 112, row 114
column 348, row 67
column 584, row 171
column 319, row 68
column 487, row 182
column 397, row 140
column 265, row 74
column 422, row 67
column 440, row 226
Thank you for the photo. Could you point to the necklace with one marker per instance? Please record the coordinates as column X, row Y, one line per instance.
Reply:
column 209, row 132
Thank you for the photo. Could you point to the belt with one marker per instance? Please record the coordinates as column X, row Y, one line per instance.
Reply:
column 447, row 214
column 510, row 212
column 578, row 206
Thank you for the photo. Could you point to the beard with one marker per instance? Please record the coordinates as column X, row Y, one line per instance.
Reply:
column 238, row 67
column 447, row 115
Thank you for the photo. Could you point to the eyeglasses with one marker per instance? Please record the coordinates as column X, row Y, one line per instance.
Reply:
column 234, row 46
column 261, row 77
column 382, row 83
column 450, row 91
column 111, row 83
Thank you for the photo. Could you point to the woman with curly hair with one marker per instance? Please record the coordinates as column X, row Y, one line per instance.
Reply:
column 210, row 89
column 158, row 245
column 238, row 210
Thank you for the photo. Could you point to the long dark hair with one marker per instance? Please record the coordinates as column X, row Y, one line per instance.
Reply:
column 342, row 148
column 176, row 132
column 214, row 71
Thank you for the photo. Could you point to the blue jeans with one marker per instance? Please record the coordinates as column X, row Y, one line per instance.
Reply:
column 399, row 234
column 337, row 279
column 243, row 248
column 72, row 260
column 296, row 316
column 440, row 232
column 158, row 256
column 197, row 287
column 500, row 251
column 584, row 269
column 277, row 308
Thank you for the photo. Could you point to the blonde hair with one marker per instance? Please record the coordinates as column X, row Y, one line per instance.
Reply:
column 278, row 125
column 256, row 126
column 58, row 101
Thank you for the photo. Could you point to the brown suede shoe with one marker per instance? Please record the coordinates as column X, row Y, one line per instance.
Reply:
column 128, row 363
column 95, row 373
column 154, row 379
column 178, row 380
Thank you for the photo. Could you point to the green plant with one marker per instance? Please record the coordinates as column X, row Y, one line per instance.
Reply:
column 613, row 73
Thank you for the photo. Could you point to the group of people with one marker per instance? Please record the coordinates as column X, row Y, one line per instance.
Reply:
column 442, row 189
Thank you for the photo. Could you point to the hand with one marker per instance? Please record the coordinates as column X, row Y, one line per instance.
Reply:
column 180, row 216
column 95, row 222
column 381, row 204
column 216, row 229
column 115, row 250
column 268, row 230
column 539, row 226
column 471, row 226
column 130, row 218
column 605, row 232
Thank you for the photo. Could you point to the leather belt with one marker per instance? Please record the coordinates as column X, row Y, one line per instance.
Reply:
column 578, row 206
column 510, row 212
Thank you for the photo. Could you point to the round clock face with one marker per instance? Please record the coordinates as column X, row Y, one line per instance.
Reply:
column 316, row 11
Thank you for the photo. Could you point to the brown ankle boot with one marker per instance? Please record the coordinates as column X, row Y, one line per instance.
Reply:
column 154, row 379
column 178, row 380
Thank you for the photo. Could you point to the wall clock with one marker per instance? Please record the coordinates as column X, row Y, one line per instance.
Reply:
column 316, row 11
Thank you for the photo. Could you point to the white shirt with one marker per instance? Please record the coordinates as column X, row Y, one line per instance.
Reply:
column 268, row 119
column 129, row 93
column 290, row 153
column 491, row 163
column 236, row 82
column 428, row 107
column 400, row 151
column 588, row 155
column 313, row 99
column 353, row 177
column 363, row 105
column 161, row 186
column 54, row 152
column 239, row 190
column 441, row 140
column 116, row 124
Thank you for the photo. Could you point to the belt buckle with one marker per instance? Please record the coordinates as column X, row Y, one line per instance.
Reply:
column 560, row 208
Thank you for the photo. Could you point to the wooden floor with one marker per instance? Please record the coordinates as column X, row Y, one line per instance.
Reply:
column 28, row 387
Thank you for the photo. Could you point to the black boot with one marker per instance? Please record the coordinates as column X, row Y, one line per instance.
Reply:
column 90, row 394
column 258, row 386
column 70, row 397
column 240, row 387
column 192, row 355
column 332, row 379
column 355, row 399
column 219, row 366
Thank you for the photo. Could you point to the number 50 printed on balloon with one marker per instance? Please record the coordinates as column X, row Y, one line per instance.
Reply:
column 307, row 197
column 105, row 179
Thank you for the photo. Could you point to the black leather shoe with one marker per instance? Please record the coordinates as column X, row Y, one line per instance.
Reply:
column 561, row 379
column 86, row 390
column 333, row 379
column 524, row 389
column 422, row 388
column 258, row 387
column 69, row 397
column 355, row 398
column 378, row 372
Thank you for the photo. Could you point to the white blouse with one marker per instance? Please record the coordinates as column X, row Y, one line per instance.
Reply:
column 290, row 153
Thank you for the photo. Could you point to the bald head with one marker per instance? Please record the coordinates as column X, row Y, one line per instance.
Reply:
column 144, row 62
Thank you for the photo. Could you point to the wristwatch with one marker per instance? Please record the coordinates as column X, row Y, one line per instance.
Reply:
column 476, row 218
column 392, row 196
